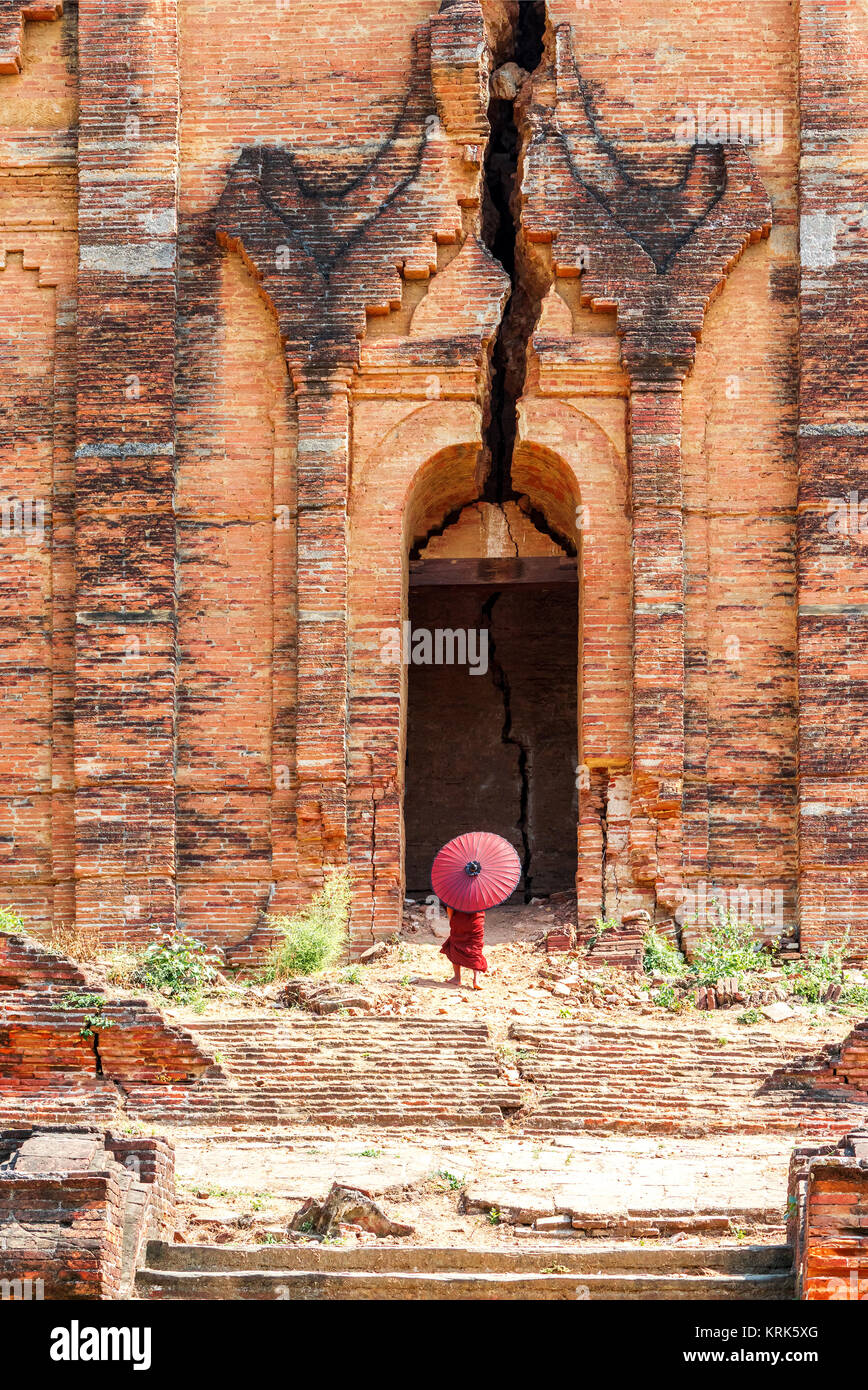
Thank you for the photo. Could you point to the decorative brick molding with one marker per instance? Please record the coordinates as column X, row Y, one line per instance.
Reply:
column 657, row 255
column 258, row 334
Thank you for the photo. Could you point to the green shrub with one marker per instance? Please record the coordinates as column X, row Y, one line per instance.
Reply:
column 661, row 955
column 452, row 1181
column 666, row 998
column 810, row 978
column 601, row 926
column 314, row 937
column 727, row 949
column 10, row 921
column 177, row 966
column 855, row 997
column 92, row 1005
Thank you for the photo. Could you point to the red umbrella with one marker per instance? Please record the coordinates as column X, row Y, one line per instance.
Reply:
column 475, row 871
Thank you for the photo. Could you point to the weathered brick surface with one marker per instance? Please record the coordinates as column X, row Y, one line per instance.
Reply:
column 828, row 1219
column 13, row 13
column 67, row 1045
column 249, row 308
column 833, row 457
column 76, row 1207
column 662, row 1082
column 842, row 1066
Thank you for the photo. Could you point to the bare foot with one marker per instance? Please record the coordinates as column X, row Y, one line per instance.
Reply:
column 476, row 985
column 456, row 980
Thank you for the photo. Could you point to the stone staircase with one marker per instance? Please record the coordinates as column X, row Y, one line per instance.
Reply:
column 336, row 1071
column 646, row 1079
column 616, row 1271
column 668, row 1080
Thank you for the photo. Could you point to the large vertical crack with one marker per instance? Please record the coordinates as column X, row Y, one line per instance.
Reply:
column 502, row 684
column 521, row 55
column 500, row 219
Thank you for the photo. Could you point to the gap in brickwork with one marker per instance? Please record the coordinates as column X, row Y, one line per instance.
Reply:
column 500, row 234
column 504, row 687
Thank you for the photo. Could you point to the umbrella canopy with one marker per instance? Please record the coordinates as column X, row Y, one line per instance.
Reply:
column 475, row 871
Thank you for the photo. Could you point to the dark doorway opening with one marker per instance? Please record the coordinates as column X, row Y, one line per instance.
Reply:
column 492, row 739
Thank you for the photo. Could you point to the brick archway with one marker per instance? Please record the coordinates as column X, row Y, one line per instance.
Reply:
column 423, row 469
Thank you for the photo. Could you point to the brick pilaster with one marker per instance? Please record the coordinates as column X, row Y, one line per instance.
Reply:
column 125, row 433
column 658, row 630
column 833, row 477
column 321, row 722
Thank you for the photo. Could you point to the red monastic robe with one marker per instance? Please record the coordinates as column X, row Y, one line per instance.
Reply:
column 466, row 940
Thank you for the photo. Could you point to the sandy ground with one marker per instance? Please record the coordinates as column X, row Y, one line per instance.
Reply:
column 244, row 1190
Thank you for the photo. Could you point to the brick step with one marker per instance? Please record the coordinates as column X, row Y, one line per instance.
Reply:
column 621, row 1257
column 388, row 1072
column 454, row 1286
column 598, row 1079
column 575, row 1120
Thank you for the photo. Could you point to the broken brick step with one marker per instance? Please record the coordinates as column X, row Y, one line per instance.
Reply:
column 646, row 1080
column 352, row 1071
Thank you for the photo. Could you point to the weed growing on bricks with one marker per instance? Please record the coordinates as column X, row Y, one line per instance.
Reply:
column 313, row 938
column 728, row 949
column 176, row 966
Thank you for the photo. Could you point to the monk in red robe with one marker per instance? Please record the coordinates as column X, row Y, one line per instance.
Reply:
column 463, row 946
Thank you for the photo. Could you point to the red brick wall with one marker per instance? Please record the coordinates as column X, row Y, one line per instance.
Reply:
column 833, row 456
column 53, row 1063
column 828, row 1219
column 193, row 710
column 77, row 1234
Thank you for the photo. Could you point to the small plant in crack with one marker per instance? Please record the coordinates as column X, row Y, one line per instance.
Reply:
column 10, row 921
column 601, row 926
column 451, row 1180
column 95, row 1021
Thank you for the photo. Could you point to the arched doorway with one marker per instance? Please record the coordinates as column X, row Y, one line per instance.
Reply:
column 491, row 645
